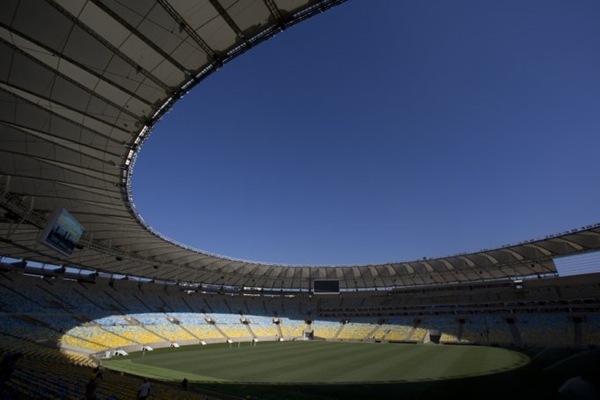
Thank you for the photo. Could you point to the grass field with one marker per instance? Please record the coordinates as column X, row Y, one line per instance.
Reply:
column 345, row 370
column 319, row 362
column 326, row 364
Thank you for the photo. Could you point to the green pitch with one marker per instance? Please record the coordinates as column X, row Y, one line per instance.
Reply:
column 318, row 362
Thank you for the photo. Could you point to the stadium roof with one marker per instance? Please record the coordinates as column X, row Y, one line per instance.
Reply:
column 82, row 85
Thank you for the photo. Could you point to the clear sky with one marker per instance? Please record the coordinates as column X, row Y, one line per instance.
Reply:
column 387, row 130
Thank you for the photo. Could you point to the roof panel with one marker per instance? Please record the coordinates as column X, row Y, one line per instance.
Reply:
column 249, row 15
column 195, row 13
column 42, row 22
column 168, row 74
column 218, row 34
column 125, row 75
column 191, row 56
column 100, row 22
column 291, row 5
column 9, row 9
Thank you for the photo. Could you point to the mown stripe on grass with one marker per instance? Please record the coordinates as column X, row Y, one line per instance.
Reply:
column 154, row 372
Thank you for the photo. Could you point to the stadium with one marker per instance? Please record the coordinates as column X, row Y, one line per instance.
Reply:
column 86, row 282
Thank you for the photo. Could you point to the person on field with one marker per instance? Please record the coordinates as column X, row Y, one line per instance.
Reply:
column 144, row 391
column 92, row 386
column 7, row 366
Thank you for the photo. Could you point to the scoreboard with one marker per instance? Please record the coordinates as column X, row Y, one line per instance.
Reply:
column 326, row 286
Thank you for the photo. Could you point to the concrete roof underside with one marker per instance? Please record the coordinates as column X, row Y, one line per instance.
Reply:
column 82, row 84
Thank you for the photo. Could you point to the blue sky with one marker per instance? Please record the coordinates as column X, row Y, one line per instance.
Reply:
column 387, row 131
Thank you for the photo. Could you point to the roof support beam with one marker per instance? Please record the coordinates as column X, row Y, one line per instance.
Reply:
column 183, row 25
column 71, row 61
column 70, row 80
column 225, row 15
column 143, row 38
column 138, row 68
column 275, row 12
